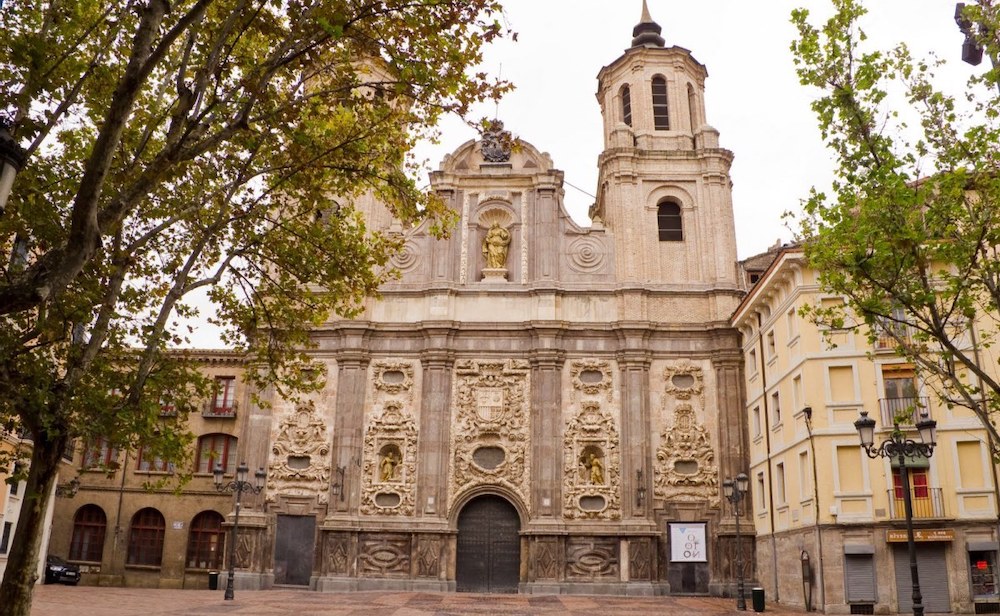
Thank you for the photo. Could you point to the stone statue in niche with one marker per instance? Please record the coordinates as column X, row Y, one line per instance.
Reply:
column 595, row 469
column 387, row 467
column 495, row 246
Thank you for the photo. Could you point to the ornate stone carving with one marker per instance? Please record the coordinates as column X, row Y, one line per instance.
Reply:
column 685, row 467
column 683, row 381
column 640, row 556
column 592, row 377
column 492, row 413
column 591, row 464
column 497, row 143
column 406, row 258
column 591, row 456
column 383, row 555
column 594, row 558
column 390, row 445
column 586, row 255
column 428, row 555
column 300, row 456
column 338, row 550
column 545, row 559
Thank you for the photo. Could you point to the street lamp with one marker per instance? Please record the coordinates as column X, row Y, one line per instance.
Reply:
column 237, row 486
column 899, row 447
column 12, row 160
column 972, row 50
column 735, row 491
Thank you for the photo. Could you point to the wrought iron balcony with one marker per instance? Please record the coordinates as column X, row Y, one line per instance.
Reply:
column 887, row 342
column 212, row 410
column 927, row 503
column 904, row 411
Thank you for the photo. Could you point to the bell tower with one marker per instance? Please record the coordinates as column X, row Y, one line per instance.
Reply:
column 664, row 189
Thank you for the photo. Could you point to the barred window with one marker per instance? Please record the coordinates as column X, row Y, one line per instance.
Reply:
column 670, row 222
column 89, row 525
column 661, row 114
column 206, row 541
column 145, row 538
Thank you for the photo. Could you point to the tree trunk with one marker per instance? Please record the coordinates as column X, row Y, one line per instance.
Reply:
column 22, row 560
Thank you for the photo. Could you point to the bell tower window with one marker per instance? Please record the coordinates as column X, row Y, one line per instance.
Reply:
column 661, row 116
column 669, row 222
column 626, row 106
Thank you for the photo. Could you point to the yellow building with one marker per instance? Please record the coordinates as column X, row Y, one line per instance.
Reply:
column 14, row 451
column 819, row 501
column 122, row 533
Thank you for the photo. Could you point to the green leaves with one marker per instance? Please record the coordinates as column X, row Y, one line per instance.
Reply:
column 909, row 236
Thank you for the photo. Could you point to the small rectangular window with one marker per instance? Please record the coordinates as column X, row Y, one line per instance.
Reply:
column 779, row 483
column 8, row 528
column 661, row 115
column 752, row 362
column 983, row 567
column 761, row 502
column 15, row 485
column 775, row 409
column 770, row 345
column 756, row 421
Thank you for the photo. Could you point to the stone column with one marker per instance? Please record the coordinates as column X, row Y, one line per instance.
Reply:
column 633, row 364
column 546, row 419
column 434, row 438
column 348, row 432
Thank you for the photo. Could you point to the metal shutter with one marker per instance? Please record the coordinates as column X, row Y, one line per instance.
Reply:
column 859, row 578
column 932, row 571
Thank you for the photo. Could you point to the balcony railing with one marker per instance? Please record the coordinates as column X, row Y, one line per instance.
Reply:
column 210, row 409
column 927, row 503
column 906, row 410
column 887, row 342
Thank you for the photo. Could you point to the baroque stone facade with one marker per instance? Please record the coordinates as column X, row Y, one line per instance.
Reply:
column 533, row 403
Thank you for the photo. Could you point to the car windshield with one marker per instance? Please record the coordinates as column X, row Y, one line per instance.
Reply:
column 55, row 560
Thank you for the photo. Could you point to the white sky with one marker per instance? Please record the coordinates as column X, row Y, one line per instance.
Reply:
column 752, row 94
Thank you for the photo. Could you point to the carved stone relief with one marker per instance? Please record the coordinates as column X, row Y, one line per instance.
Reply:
column 390, row 444
column 338, row 550
column 383, row 555
column 592, row 558
column 591, row 456
column 429, row 555
column 491, row 422
column 685, row 461
column 300, row 456
column 640, row 556
column 545, row 559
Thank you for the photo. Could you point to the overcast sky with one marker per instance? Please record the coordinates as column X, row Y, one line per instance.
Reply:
column 752, row 94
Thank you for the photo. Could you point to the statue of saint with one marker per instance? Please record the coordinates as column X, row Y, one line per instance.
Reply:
column 495, row 246
column 596, row 470
column 387, row 468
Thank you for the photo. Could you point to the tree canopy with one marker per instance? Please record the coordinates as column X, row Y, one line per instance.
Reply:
column 201, row 144
column 909, row 233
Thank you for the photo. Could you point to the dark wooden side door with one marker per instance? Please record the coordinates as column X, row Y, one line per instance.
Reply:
column 489, row 546
column 294, row 546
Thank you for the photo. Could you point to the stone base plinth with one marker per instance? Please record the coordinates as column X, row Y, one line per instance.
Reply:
column 494, row 274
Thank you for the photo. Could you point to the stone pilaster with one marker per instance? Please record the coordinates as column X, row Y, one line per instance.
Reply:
column 546, row 421
column 438, row 363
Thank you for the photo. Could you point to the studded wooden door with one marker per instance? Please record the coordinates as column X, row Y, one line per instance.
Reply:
column 489, row 547
column 294, row 545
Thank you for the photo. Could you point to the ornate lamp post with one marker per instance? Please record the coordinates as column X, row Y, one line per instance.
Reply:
column 899, row 447
column 237, row 486
column 735, row 491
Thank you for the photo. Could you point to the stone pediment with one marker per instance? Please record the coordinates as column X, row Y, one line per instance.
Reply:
column 468, row 158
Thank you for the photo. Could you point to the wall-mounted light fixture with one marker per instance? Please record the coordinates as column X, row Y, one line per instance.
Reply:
column 640, row 490
column 338, row 486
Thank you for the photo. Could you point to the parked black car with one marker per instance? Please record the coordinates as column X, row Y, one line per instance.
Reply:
column 58, row 570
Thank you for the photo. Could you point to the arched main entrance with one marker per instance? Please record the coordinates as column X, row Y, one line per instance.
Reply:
column 489, row 548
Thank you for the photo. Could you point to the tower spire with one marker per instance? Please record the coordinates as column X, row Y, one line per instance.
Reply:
column 647, row 31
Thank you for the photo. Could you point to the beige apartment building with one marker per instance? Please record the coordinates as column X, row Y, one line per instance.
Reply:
column 829, row 521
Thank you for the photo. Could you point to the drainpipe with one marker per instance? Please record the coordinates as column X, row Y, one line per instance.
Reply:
column 767, row 448
column 807, row 412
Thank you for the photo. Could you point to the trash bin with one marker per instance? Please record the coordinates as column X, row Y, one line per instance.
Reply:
column 213, row 580
column 758, row 598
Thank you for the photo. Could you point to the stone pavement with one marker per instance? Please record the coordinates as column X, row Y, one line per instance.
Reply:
column 98, row 601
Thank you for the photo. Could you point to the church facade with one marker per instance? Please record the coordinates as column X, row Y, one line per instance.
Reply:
column 533, row 406
column 536, row 405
